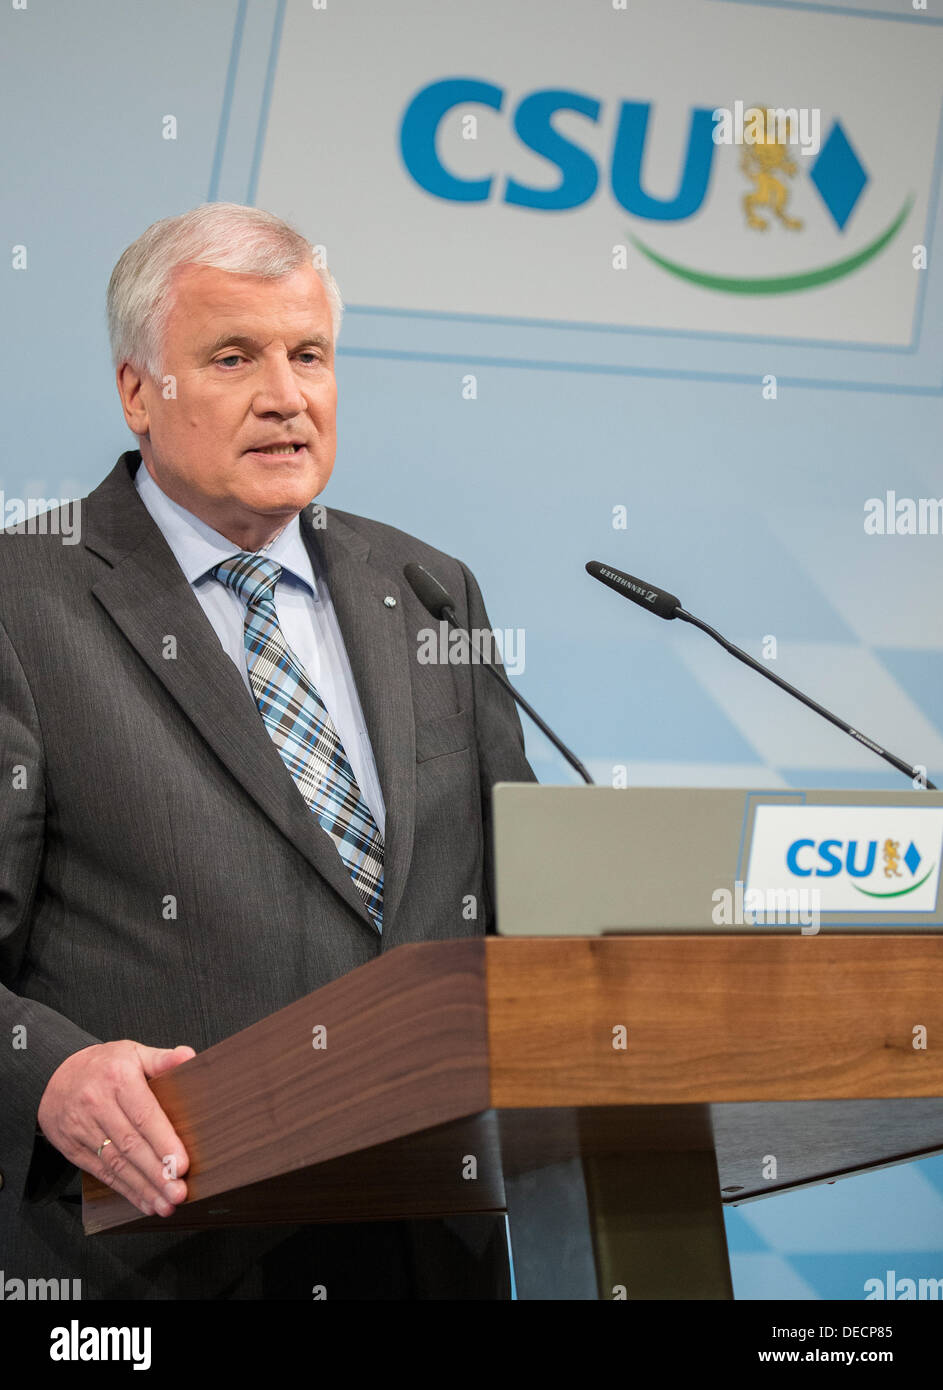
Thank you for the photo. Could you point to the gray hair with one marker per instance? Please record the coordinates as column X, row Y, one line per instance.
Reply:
column 226, row 236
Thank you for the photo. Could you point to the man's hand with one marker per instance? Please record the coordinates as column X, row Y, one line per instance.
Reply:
column 101, row 1093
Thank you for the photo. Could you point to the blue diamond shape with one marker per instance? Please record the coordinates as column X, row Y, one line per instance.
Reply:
column 912, row 858
column 839, row 175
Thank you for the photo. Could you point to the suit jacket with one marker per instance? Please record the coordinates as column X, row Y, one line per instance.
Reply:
column 162, row 879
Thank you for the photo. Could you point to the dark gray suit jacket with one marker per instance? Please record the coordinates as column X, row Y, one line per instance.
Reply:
column 162, row 879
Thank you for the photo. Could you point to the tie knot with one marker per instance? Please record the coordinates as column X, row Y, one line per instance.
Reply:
column 252, row 577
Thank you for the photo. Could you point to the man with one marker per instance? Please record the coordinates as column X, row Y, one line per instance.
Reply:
column 225, row 779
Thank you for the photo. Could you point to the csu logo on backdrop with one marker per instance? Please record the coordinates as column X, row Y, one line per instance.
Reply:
column 836, row 175
column 889, row 872
column 533, row 124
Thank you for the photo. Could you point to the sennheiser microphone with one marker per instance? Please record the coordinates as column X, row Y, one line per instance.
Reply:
column 667, row 606
column 441, row 605
column 657, row 601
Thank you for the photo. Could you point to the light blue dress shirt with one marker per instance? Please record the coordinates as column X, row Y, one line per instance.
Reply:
column 305, row 614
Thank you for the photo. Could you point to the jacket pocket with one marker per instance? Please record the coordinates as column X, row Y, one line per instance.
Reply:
column 439, row 736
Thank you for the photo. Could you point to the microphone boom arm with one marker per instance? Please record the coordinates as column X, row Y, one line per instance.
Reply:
column 911, row 772
column 449, row 615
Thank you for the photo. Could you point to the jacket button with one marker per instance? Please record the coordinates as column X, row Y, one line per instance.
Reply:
column 1, row 1179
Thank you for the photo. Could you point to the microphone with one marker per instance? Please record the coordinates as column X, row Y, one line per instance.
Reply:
column 667, row 606
column 439, row 602
column 657, row 601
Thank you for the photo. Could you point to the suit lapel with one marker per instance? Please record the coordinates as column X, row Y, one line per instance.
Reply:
column 378, row 649
column 147, row 596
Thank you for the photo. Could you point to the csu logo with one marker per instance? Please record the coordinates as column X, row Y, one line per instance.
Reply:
column 533, row 124
column 881, row 862
column 836, row 176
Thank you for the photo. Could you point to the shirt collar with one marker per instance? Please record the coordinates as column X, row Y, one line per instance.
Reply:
column 197, row 547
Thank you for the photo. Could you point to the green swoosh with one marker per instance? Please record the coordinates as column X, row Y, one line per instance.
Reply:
column 901, row 892
column 778, row 284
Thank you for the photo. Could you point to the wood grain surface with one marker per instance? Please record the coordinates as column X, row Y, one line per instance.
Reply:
column 501, row 1050
column 711, row 1019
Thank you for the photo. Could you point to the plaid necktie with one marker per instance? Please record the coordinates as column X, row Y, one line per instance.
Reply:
column 302, row 730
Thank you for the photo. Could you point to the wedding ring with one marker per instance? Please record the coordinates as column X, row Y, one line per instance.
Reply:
column 102, row 1145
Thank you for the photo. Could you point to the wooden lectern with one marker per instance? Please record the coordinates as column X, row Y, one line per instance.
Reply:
column 610, row 1093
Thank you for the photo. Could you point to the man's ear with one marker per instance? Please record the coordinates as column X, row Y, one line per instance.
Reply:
column 130, row 385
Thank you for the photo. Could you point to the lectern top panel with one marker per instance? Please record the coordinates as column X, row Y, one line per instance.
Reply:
column 582, row 861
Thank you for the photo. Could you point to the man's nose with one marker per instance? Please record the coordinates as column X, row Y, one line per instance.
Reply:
column 278, row 391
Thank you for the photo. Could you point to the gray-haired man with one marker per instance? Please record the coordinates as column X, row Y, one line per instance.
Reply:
column 226, row 779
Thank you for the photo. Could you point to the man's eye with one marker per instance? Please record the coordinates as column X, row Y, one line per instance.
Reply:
column 316, row 356
column 232, row 357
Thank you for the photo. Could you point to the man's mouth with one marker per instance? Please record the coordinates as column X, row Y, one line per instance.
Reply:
column 277, row 449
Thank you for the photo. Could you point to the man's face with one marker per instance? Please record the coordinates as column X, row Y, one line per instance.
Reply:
column 253, row 363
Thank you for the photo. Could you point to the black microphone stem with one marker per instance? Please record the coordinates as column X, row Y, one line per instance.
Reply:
column 449, row 615
column 754, row 665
